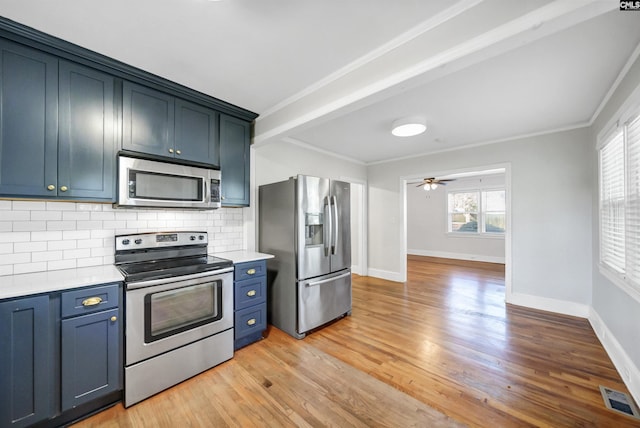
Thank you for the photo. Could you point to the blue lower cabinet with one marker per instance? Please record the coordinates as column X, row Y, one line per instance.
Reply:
column 60, row 355
column 250, row 300
column 26, row 354
column 90, row 357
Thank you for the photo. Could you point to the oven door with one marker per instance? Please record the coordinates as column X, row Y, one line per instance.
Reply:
column 167, row 314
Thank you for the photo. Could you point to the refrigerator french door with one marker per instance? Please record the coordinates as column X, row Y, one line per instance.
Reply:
column 305, row 223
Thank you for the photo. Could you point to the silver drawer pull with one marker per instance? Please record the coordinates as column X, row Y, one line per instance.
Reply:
column 252, row 321
column 251, row 293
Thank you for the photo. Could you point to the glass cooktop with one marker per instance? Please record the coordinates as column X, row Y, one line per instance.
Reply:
column 175, row 267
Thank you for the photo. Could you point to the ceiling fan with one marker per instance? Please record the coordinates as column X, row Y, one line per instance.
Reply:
column 432, row 183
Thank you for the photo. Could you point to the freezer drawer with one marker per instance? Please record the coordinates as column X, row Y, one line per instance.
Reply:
column 323, row 299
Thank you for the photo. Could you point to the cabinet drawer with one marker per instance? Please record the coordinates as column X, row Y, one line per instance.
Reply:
column 250, row 292
column 250, row 320
column 250, row 270
column 88, row 300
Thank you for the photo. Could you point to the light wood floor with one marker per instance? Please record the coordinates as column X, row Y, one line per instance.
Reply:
column 443, row 342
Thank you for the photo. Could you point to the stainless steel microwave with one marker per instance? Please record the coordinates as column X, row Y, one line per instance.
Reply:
column 151, row 183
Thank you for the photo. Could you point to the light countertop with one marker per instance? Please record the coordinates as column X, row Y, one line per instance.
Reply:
column 56, row 280
column 242, row 256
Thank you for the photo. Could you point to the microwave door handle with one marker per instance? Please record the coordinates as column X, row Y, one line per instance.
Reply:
column 336, row 231
column 207, row 195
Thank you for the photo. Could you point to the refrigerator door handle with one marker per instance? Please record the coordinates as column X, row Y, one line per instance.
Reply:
column 336, row 232
column 344, row 275
column 327, row 207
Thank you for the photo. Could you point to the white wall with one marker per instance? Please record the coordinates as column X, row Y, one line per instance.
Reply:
column 615, row 314
column 552, row 178
column 427, row 223
column 40, row 235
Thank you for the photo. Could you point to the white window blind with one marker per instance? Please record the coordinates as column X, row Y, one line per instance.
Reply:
column 612, row 198
column 632, row 211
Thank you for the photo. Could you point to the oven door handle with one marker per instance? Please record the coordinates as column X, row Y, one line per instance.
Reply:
column 152, row 282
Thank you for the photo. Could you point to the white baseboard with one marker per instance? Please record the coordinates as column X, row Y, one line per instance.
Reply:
column 623, row 363
column 457, row 256
column 385, row 274
column 551, row 305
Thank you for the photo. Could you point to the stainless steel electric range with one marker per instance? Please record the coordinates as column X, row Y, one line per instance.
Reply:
column 179, row 309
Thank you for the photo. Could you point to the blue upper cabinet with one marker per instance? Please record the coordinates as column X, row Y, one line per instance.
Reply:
column 56, row 127
column 159, row 124
column 28, row 121
column 148, row 117
column 196, row 133
column 87, row 146
column 235, row 141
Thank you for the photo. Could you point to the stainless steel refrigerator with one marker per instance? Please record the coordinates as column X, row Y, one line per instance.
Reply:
column 305, row 223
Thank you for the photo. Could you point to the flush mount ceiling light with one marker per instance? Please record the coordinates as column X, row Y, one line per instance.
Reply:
column 409, row 126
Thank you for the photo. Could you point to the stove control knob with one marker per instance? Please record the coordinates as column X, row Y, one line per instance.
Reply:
column 125, row 242
column 138, row 241
column 201, row 237
column 192, row 238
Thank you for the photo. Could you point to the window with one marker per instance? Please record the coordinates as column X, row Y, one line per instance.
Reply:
column 477, row 211
column 619, row 173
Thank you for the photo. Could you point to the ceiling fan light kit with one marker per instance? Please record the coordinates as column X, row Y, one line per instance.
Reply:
column 409, row 126
column 432, row 183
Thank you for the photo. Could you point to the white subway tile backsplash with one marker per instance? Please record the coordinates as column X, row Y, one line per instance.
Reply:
column 29, row 247
column 76, row 234
column 46, row 215
column 89, row 225
column 76, row 253
column 29, row 205
column 61, row 225
column 15, row 236
column 89, row 243
column 90, row 207
column 91, row 261
column 61, row 206
column 52, row 235
column 15, row 258
column 15, row 215
column 46, row 256
column 29, row 267
column 62, row 245
column 37, row 235
column 29, row 226
column 76, row 215
column 103, row 215
column 62, row 264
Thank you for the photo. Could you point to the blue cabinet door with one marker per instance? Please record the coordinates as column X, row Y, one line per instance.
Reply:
column 147, row 120
column 86, row 153
column 196, row 133
column 28, row 121
column 90, row 357
column 235, row 139
column 25, row 357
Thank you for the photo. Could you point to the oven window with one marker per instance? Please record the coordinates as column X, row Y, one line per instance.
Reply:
column 157, row 186
column 174, row 311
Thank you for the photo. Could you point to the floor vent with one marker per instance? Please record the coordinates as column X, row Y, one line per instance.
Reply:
column 619, row 402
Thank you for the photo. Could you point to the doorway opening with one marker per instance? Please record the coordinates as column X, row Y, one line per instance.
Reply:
column 459, row 219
